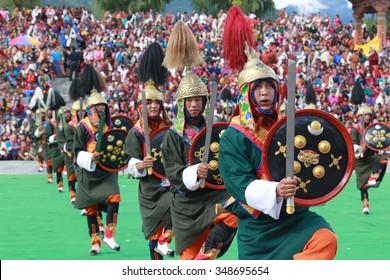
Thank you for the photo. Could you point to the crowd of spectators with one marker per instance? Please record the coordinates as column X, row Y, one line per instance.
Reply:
column 323, row 48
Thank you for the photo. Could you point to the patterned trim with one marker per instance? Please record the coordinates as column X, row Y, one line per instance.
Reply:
column 248, row 134
column 246, row 116
column 189, row 132
column 138, row 126
column 91, row 145
column 254, row 213
column 180, row 118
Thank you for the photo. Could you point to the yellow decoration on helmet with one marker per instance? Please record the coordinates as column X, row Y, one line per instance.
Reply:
column 76, row 106
column 254, row 69
column 364, row 109
column 191, row 86
column 151, row 92
column 95, row 98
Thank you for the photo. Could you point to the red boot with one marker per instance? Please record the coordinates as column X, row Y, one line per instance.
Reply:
column 211, row 254
column 109, row 237
column 96, row 244
column 164, row 243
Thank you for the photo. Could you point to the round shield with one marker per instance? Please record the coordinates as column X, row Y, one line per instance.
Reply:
column 156, row 140
column 214, row 178
column 377, row 136
column 323, row 156
column 122, row 122
column 112, row 152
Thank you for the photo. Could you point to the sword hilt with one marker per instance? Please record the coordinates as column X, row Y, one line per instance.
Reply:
column 290, row 206
column 290, row 209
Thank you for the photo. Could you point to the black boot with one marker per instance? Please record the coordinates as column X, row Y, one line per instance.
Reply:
column 364, row 198
column 60, row 184
column 92, row 226
column 112, row 213
column 217, row 243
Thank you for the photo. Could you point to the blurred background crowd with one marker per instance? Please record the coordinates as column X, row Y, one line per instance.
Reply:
column 323, row 48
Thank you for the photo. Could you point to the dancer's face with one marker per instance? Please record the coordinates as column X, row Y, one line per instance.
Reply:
column 194, row 105
column 153, row 107
column 264, row 94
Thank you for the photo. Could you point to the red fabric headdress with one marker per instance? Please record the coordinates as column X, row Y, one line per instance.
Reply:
column 239, row 35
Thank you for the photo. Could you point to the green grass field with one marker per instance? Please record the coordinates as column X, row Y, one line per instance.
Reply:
column 38, row 223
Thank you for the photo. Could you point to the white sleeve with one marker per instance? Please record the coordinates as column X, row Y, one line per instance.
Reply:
column 84, row 160
column 37, row 133
column 52, row 140
column 355, row 148
column 133, row 169
column 261, row 195
column 190, row 177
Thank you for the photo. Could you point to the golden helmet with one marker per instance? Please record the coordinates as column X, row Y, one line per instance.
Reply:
column 151, row 92
column 254, row 69
column 311, row 106
column 363, row 108
column 40, row 110
column 76, row 106
column 190, row 86
column 60, row 111
column 95, row 98
column 63, row 109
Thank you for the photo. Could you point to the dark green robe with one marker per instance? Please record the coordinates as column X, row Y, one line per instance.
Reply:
column 364, row 165
column 261, row 237
column 40, row 142
column 154, row 200
column 68, row 138
column 96, row 186
column 33, row 127
column 192, row 211
column 54, row 148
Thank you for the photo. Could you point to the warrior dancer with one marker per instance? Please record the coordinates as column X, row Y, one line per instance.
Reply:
column 199, row 232
column 154, row 194
column 265, row 230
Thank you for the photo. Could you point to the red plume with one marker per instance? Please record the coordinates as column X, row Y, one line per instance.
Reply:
column 237, row 34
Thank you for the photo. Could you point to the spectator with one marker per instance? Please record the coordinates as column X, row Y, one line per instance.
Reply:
column 13, row 147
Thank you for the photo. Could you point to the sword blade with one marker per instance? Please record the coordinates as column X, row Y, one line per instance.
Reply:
column 39, row 116
column 209, row 129
column 146, row 127
column 290, row 129
column 363, row 124
column 100, row 131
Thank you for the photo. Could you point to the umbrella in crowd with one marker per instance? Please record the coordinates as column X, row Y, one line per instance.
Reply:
column 24, row 40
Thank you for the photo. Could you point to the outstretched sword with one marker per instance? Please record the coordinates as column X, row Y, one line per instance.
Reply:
column 209, row 129
column 146, row 127
column 290, row 130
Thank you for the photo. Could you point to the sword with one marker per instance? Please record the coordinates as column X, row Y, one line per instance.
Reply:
column 363, row 125
column 146, row 127
column 63, row 121
column 56, row 121
column 39, row 116
column 80, row 112
column 100, row 131
column 290, row 130
column 209, row 129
